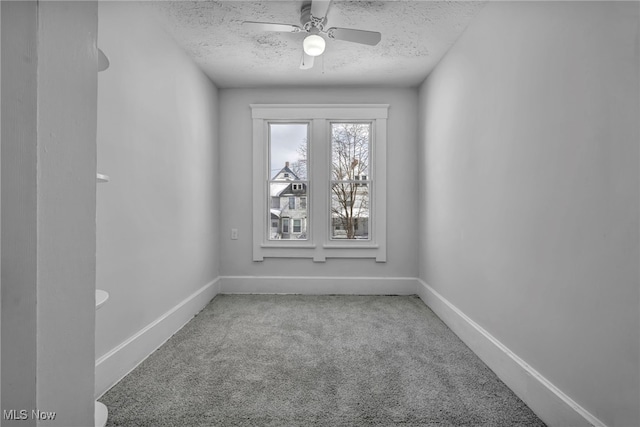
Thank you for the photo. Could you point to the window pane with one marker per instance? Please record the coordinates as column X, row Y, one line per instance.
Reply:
column 350, row 151
column 286, row 206
column 349, row 210
column 288, row 151
column 287, row 180
column 350, row 143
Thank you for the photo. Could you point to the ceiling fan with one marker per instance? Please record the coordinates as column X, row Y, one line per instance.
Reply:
column 313, row 20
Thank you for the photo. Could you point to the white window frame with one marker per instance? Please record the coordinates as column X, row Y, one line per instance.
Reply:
column 318, row 245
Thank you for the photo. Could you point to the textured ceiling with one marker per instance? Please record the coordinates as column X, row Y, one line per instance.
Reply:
column 415, row 35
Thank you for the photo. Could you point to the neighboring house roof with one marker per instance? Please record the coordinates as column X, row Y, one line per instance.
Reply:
column 286, row 189
column 286, row 175
column 285, row 170
column 290, row 191
column 277, row 188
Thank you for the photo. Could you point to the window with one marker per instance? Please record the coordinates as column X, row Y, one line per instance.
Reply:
column 319, row 188
column 350, row 149
column 287, row 147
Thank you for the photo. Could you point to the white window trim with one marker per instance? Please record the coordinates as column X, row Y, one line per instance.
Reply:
column 318, row 245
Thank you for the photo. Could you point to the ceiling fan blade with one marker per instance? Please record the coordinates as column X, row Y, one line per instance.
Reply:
column 371, row 38
column 320, row 8
column 270, row 26
column 307, row 62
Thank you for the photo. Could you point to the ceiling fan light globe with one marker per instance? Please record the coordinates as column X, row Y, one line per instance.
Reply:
column 313, row 45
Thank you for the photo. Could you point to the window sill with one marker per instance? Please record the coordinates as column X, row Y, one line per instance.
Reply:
column 286, row 245
column 346, row 245
column 320, row 253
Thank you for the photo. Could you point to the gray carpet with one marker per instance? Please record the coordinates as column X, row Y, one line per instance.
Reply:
column 293, row 360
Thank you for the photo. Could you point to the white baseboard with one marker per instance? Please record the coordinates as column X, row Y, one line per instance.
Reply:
column 117, row 363
column 553, row 406
column 307, row 285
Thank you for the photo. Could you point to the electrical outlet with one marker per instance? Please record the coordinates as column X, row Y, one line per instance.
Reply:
column 234, row 234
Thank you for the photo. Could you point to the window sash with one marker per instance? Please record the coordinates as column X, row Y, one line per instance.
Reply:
column 281, row 205
column 351, row 158
column 353, row 152
column 344, row 216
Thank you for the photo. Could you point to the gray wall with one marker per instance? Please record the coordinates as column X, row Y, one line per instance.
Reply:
column 157, row 239
column 235, row 179
column 529, row 191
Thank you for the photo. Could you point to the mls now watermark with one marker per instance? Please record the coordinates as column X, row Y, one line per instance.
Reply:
column 23, row 414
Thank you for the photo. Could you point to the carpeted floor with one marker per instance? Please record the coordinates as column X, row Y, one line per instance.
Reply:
column 293, row 360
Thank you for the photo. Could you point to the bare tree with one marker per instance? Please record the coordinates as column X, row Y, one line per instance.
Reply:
column 350, row 163
column 299, row 167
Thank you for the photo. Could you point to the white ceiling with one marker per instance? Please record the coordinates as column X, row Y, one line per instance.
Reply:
column 415, row 35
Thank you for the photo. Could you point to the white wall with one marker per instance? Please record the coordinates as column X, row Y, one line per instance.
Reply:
column 19, row 283
column 0, row 205
column 236, row 182
column 48, row 218
column 529, row 192
column 157, row 235
column 66, row 228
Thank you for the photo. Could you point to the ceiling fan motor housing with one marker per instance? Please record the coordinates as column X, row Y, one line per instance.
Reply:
column 309, row 21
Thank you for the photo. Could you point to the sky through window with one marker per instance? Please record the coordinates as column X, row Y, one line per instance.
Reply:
column 286, row 140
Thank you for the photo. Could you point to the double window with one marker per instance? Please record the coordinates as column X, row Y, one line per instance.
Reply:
column 319, row 188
